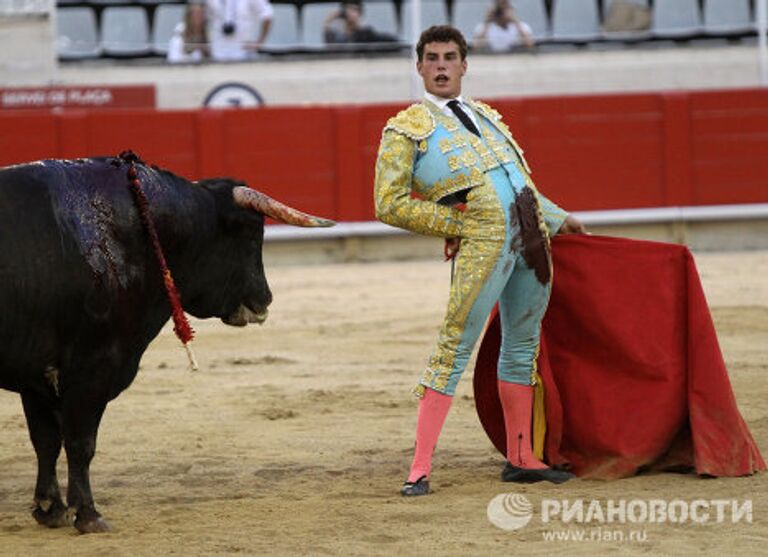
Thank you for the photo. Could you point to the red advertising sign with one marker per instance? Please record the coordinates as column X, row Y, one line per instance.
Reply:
column 78, row 96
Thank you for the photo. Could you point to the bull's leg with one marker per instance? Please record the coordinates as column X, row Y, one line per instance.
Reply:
column 44, row 424
column 81, row 417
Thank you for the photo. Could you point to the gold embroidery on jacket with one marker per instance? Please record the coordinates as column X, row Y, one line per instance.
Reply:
column 468, row 158
column 392, row 192
column 454, row 163
column 493, row 115
column 460, row 141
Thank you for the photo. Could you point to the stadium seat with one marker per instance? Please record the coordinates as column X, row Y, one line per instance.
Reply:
column 167, row 17
column 125, row 31
column 433, row 12
column 468, row 14
column 575, row 21
column 312, row 18
column 676, row 18
column 381, row 16
column 284, row 33
column 728, row 17
column 76, row 34
column 628, row 36
column 534, row 14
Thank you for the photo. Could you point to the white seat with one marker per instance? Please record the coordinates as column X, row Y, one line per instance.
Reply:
column 607, row 4
column 381, row 16
column 534, row 14
column 575, row 20
column 76, row 34
column 284, row 32
column 167, row 17
column 312, row 18
column 626, row 36
column 125, row 31
column 433, row 12
column 725, row 17
column 467, row 15
column 676, row 18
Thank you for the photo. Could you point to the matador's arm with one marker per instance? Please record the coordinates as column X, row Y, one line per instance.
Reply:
column 392, row 192
column 554, row 216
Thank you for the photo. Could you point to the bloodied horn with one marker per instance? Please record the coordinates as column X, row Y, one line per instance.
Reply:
column 252, row 199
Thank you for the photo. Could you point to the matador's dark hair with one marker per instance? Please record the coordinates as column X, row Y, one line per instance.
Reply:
column 441, row 34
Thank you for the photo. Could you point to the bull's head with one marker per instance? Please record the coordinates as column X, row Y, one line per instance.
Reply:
column 256, row 201
column 242, row 293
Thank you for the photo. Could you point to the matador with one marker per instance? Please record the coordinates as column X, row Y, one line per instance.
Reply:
column 450, row 167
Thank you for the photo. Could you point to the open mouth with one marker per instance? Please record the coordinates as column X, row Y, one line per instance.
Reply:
column 441, row 79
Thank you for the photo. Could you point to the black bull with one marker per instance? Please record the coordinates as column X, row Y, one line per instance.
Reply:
column 81, row 294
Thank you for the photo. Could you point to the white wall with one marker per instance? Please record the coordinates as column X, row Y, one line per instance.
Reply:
column 27, row 52
column 387, row 79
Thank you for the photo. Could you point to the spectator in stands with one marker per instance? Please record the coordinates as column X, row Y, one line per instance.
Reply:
column 238, row 28
column 624, row 15
column 190, row 38
column 502, row 30
column 345, row 25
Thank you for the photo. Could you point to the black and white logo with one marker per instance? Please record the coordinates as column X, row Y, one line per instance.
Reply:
column 233, row 95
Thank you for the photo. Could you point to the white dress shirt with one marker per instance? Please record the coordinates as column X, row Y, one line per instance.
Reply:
column 442, row 104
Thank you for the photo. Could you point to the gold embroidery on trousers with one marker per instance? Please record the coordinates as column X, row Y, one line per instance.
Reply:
column 474, row 264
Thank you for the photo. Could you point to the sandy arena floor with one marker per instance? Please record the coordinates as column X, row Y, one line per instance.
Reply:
column 295, row 437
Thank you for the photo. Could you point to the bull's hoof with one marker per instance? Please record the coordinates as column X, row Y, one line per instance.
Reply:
column 91, row 522
column 54, row 515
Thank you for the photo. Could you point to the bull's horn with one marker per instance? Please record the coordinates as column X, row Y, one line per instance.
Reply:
column 252, row 199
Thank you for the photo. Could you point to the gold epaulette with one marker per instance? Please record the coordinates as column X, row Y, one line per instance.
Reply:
column 490, row 112
column 415, row 122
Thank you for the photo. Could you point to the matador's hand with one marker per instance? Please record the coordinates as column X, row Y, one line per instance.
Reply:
column 572, row 225
column 451, row 248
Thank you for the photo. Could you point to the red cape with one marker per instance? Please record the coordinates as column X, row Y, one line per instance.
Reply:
column 632, row 370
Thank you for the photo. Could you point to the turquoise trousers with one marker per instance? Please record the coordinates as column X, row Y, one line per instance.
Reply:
column 504, row 257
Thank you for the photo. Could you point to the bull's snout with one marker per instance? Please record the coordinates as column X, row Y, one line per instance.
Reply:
column 245, row 315
column 252, row 311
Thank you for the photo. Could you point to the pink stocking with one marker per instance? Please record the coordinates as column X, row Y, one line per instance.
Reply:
column 433, row 409
column 517, row 402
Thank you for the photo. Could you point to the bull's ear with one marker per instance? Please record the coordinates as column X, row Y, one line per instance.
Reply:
column 261, row 203
column 240, row 223
column 230, row 215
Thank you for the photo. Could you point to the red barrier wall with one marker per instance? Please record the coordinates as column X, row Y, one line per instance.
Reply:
column 588, row 152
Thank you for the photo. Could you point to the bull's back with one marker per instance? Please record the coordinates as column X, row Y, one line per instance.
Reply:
column 59, row 254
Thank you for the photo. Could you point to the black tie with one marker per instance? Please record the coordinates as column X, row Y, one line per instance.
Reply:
column 461, row 115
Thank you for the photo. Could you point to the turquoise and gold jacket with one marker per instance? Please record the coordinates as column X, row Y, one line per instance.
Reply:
column 425, row 152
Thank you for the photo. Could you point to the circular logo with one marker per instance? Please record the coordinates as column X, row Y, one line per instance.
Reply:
column 510, row 511
column 233, row 95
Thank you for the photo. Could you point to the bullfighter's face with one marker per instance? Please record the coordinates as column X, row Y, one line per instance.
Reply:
column 442, row 69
